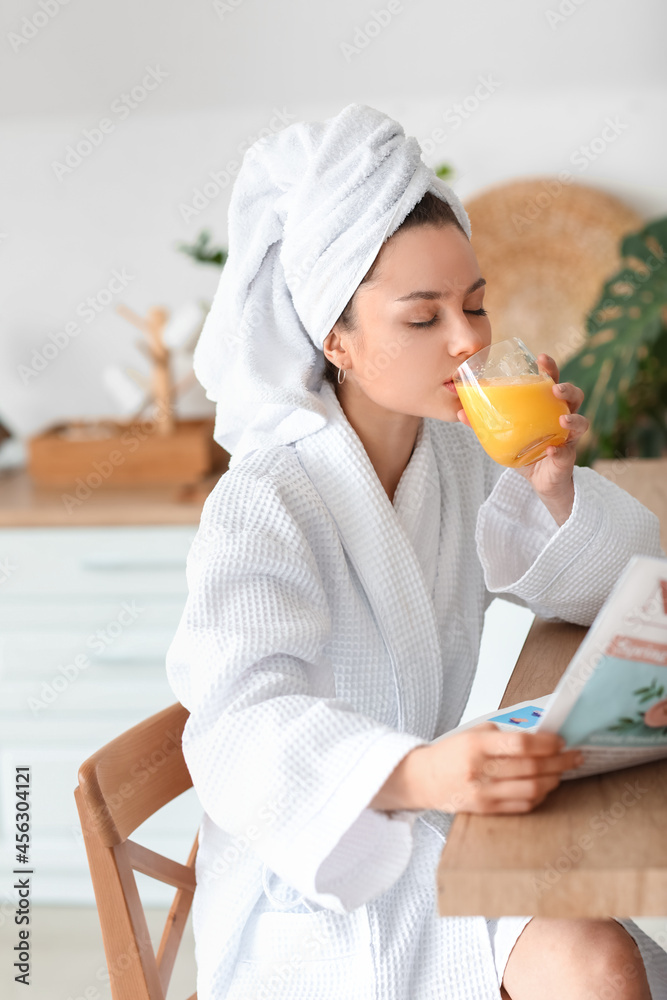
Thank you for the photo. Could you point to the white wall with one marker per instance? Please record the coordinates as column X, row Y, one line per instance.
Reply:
column 552, row 81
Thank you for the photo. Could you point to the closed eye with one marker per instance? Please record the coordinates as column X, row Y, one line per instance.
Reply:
column 430, row 322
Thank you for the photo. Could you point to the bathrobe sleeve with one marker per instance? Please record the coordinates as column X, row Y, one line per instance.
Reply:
column 275, row 757
column 561, row 573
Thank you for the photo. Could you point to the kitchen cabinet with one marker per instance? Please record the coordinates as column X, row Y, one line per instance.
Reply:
column 88, row 608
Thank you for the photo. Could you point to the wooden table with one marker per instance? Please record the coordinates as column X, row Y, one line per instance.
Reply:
column 596, row 846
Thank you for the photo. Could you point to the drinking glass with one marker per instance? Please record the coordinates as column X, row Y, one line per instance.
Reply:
column 510, row 403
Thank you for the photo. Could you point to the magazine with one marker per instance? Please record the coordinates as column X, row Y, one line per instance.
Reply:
column 611, row 702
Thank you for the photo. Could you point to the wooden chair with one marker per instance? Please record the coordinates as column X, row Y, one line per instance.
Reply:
column 120, row 786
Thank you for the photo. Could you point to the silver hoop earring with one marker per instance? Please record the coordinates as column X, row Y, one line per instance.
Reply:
column 341, row 380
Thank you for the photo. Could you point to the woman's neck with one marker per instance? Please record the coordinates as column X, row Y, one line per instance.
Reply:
column 388, row 437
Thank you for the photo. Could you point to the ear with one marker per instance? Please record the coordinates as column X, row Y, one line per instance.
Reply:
column 333, row 347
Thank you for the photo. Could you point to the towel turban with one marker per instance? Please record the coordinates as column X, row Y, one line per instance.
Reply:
column 309, row 211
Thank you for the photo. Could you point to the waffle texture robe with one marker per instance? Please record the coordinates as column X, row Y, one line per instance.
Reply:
column 327, row 632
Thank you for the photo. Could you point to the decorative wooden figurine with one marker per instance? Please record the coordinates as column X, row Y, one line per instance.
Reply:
column 153, row 325
column 158, row 449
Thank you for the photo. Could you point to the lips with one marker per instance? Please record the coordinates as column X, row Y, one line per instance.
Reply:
column 451, row 387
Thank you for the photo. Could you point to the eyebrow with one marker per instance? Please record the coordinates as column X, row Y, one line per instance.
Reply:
column 439, row 295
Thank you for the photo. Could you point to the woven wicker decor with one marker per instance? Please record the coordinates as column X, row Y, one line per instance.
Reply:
column 545, row 249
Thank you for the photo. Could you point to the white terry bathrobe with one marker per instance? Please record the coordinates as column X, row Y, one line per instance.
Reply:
column 327, row 632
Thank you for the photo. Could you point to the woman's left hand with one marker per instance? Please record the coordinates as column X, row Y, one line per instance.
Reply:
column 551, row 476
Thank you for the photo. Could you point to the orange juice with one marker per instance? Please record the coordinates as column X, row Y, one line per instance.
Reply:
column 515, row 419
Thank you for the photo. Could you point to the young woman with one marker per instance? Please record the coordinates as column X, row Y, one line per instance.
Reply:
column 337, row 588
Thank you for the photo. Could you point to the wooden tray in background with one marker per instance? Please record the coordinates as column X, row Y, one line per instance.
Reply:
column 129, row 454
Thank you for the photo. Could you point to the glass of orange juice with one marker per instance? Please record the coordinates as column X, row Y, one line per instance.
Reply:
column 510, row 403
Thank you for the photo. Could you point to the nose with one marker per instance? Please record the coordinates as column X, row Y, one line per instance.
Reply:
column 465, row 340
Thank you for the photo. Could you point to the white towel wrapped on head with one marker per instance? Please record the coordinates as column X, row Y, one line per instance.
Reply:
column 310, row 209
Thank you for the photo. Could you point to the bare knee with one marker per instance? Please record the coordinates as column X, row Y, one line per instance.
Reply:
column 580, row 958
column 606, row 949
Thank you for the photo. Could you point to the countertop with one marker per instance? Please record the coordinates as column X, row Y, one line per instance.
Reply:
column 24, row 504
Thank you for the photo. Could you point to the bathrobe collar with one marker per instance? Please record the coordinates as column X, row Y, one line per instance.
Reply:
column 393, row 549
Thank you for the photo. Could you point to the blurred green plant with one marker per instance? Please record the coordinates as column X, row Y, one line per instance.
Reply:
column 444, row 171
column 202, row 251
column 622, row 364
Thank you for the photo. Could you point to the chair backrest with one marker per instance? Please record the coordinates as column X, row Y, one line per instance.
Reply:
column 120, row 786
